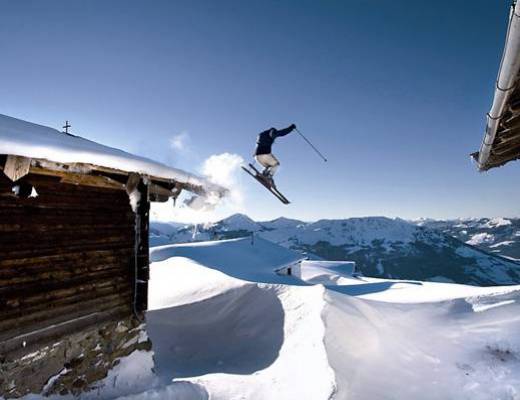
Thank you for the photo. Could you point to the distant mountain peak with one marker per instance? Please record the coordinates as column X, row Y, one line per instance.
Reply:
column 239, row 222
column 282, row 222
column 238, row 217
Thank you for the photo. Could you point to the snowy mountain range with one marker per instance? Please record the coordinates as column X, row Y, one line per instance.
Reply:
column 446, row 251
column 495, row 235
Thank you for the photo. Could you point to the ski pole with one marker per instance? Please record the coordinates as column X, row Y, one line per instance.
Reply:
column 310, row 144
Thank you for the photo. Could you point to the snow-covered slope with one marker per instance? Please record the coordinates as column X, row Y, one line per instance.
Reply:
column 225, row 325
column 495, row 235
column 244, row 259
column 381, row 247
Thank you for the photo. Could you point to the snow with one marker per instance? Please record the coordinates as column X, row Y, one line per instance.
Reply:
column 326, row 272
column 241, row 221
column 483, row 307
column 133, row 374
column 376, row 243
column 177, row 391
column 429, row 351
column 229, row 257
column 281, row 222
column 359, row 231
column 496, row 222
column 167, row 228
column 134, row 197
column 22, row 138
column 504, row 243
column 53, row 379
column 222, row 319
column 249, row 342
column 225, row 326
column 355, row 231
column 481, row 238
column 184, row 271
column 159, row 240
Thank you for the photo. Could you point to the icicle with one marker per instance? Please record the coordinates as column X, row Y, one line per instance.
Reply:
column 135, row 197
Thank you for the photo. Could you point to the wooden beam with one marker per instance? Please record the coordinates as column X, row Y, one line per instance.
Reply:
column 32, row 340
column 132, row 182
column 90, row 168
column 505, row 146
column 92, row 180
column 50, row 168
column 85, row 168
column 16, row 167
column 80, row 179
column 511, row 153
column 159, row 193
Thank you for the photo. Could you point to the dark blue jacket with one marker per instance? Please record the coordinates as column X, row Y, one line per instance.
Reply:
column 265, row 139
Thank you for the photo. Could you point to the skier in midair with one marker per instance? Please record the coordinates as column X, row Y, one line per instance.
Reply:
column 263, row 154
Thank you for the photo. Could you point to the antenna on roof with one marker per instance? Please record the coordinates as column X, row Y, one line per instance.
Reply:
column 67, row 126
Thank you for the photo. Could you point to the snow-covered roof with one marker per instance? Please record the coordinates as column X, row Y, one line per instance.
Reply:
column 22, row 138
column 501, row 142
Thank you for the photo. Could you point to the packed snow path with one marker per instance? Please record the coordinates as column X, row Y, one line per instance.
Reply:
column 223, row 320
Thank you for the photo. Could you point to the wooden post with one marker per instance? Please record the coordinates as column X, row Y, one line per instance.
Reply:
column 142, row 249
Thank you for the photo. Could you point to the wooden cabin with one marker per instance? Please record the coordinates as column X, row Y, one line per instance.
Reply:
column 74, row 219
column 501, row 142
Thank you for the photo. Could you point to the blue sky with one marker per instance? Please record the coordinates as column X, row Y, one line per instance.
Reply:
column 393, row 92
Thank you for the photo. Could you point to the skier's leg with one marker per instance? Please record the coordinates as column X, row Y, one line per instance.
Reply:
column 260, row 160
column 266, row 161
column 273, row 164
column 270, row 164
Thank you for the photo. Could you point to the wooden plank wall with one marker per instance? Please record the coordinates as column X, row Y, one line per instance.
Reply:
column 65, row 254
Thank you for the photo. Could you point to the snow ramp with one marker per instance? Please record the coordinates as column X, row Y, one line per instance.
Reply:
column 223, row 321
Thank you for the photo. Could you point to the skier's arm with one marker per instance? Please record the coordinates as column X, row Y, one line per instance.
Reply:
column 283, row 132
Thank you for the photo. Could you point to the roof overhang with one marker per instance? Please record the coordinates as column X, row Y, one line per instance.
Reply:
column 32, row 148
column 501, row 142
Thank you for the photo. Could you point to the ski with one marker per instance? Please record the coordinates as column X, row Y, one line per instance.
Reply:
column 269, row 185
column 258, row 176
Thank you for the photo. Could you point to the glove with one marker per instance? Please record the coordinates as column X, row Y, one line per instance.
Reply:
column 292, row 127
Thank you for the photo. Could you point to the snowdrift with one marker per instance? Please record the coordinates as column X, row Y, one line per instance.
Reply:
column 250, row 259
column 225, row 326
column 221, row 319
